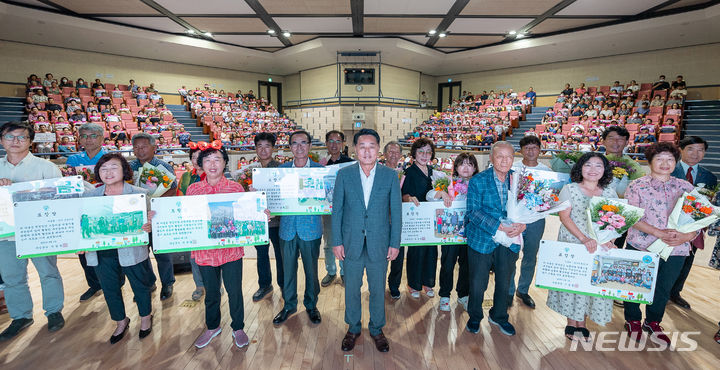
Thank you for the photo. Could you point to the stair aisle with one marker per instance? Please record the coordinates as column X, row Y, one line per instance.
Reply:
column 702, row 118
column 183, row 116
column 531, row 119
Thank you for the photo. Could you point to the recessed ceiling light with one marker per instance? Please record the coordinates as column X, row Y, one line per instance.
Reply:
column 512, row 32
column 192, row 32
column 271, row 31
column 208, row 34
column 442, row 34
column 286, row 33
column 520, row 35
column 432, row 32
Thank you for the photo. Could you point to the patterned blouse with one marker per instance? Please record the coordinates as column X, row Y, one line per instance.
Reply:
column 216, row 257
column 658, row 199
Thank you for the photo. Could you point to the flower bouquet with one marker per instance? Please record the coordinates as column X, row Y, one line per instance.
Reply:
column 692, row 212
column 564, row 161
column 244, row 175
column 623, row 171
column 458, row 188
column 156, row 179
column 609, row 218
column 531, row 198
column 314, row 157
column 441, row 184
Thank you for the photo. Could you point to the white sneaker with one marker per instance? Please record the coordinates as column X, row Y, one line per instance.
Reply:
column 464, row 302
column 444, row 304
column 429, row 292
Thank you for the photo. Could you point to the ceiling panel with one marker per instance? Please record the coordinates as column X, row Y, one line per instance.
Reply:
column 272, row 50
column 407, row 6
column 296, row 39
column 609, row 7
column 315, row 24
column 450, row 50
column 206, row 6
column 154, row 23
column 106, row 6
column 399, row 25
column 211, row 24
column 558, row 24
column 250, row 40
column 487, row 25
column 683, row 3
column 467, row 41
column 306, row 6
column 419, row 39
column 35, row 3
column 505, row 7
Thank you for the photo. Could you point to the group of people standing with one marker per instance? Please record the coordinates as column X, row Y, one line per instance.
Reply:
column 363, row 234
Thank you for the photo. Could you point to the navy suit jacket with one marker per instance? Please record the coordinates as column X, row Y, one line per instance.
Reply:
column 703, row 177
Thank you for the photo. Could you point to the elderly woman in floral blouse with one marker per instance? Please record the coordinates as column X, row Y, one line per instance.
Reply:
column 657, row 193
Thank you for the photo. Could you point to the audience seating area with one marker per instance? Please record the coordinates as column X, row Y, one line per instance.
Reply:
column 474, row 122
column 236, row 118
column 579, row 117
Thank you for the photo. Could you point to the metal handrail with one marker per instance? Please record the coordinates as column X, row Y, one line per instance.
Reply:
column 354, row 99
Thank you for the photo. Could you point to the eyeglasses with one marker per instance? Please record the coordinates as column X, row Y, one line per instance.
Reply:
column 20, row 138
column 301, row 143
column 334, row 141
column 92, row 136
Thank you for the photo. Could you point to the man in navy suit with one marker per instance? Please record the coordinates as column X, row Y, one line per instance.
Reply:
column 486, row 206
column 692, row 151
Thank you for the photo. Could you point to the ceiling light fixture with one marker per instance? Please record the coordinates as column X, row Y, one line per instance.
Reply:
column 271, row 31
column 520, row 35
column 432, row 32
column 442, row 34
column 287, row 33
column 192, row 32
column 208, row 34
column 512, row 32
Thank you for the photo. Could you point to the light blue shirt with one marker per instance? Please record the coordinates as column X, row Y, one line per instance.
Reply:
column 82, row 159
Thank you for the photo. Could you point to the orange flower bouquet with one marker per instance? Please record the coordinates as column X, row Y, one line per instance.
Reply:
column 692, row 212
column 156, row 179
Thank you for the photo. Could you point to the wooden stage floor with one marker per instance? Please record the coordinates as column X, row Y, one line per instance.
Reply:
column 421, row 337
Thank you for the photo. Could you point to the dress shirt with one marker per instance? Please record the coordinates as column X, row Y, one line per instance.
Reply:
column 367, row 183
column 29, row 168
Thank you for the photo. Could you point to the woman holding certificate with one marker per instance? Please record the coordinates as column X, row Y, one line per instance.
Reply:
column 421, row 260
column 110, row 265
column 590, row 177
column 657, row 193
column 223, row 261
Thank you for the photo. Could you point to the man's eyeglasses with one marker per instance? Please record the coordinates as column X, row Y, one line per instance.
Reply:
column 334, row 141
column 20, row 138
column 92, row 136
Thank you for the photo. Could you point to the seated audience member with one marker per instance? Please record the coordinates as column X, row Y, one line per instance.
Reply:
column 616, row 87
column 39, row 97
column 54, row 89
column 642, row 100
column 81, row 84
column 51, row 106
column 633, row 85
column 676, row 99
column 644, row 109
column 65, row 82
column 657, row 101
column 678, row 87
column 661, row 84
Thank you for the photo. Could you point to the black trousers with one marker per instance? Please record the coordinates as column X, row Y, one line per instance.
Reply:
column 110, row 276
column 684, row 272
column 232, row 275
column 263, row 260
column 90, row 275
column 668, row 272
column 396, row 268
column 501, row 259
column 449, row 255
column 421, row 266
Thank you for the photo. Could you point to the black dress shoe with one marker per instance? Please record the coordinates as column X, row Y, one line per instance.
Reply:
column 526, row 298
column 678, row 300
column 116, row 338
column 56, row 321
column 327, row 280
column 261, row 293
column 314, row 316
column 283, row 315
column 16, row 326
column 381, row 343
column 88, row 294
column 166, row 292
column 146, row 332
column 348, row 343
